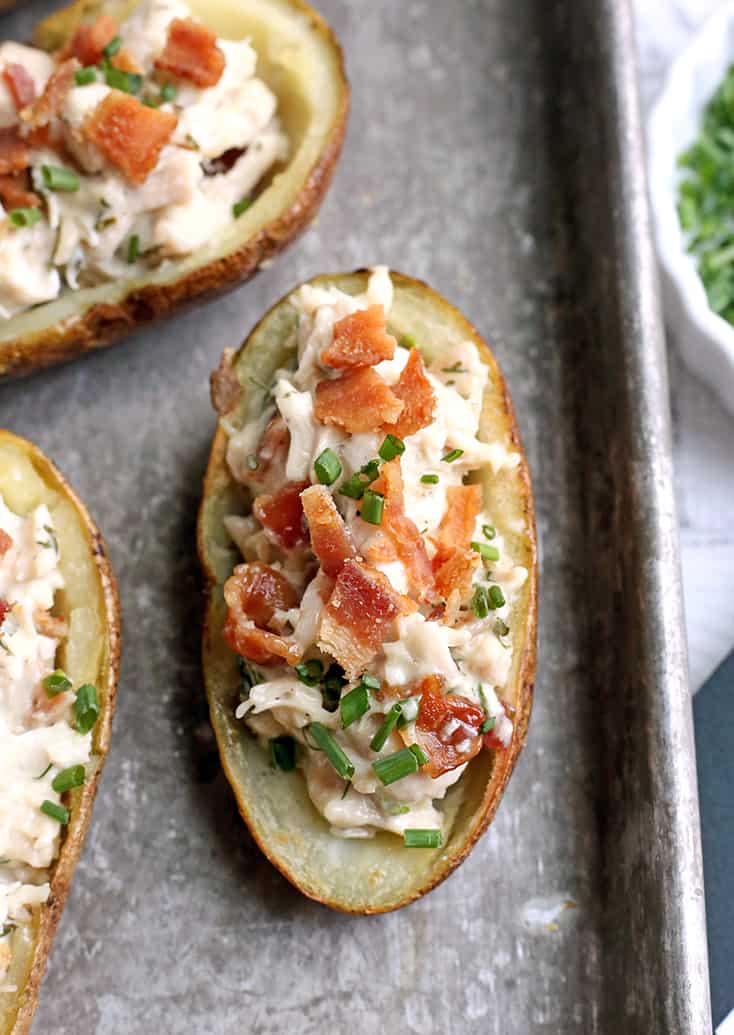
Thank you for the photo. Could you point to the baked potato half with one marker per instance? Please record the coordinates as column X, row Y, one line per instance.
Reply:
column 380, row 873
column 300, row 60
column 88, row 604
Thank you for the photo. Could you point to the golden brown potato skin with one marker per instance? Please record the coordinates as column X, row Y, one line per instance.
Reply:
column 498, row 418
column 103, row 323
column 18, row 1020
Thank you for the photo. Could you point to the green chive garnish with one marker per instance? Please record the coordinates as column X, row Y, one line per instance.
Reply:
column 24, row 216
column 128, row 82
column 133, row 249
column 373, row 503
column 407, row 341
column 394, row 808
column 409, row 713
column 489, row 720
column 241, row 206
column 502, row 631
column 479, row 602
column 354, row 705
column 391, row 447
column 489, row 531
column 326, row 743
column 371, row 682
column 331, row 689
column 355, row 486
column 310, row 672
column 57, row 683
column 496, row 597
column 422, row 838
column 68, row 778
column 57, row 178
column 168, row 92
column 86, row 707
column 453, row 455
column 57, row 812
column 489, row 553
column 429, row 479
column 388, row 725
column 401, row 763
column 327, row 467
column 283, row 753
column 85, row 76
column 45, row 772
column 112, row 47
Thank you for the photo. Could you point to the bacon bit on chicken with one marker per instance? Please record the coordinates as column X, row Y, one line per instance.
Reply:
column 4, row 608
column 360, row 340
column 330, row 539
column 129, row 135
column 6, row 541
column 357, row 401
column 191, row 52
column 44, row 108
column 448, row 729
column 409, row 544
column 224, row 385
column 380, row 550
column 88, row 42
column 50, row 625
column 14, row 193
column 454, row 563
column 455, row 573
column 359, row 616
column 415, row 390
column 270, row 458
column 125, row 62
column 14, row 154
column 463, row 504
column 253, row 593
column 21, row 85
column 281, row 515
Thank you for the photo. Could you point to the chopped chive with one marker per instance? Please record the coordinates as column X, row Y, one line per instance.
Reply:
column 373, row 504
column 479, row 602
column 388, row 725
column 249, row 677
column 283, row 752
column 68, row 778
column 310, row 672
column 496, row 597
column 57, row 178
column 371, row 682
column 86, row 707
column 133, row 249
column 419, row 754
column 45, row 772
column 112, row 47
column 6, row 929
column 354, row 705
column 391, row 447
column 489, row 553
column 394, row 808
column 400, row 764
column 152, row 102
column 85, row 76
column 24, row 216
column 355, row 485
column 331, row 689
column 407, row 341
column 409, row 713
column 327, row 467
column 56, row 683
column 57, row 812
column 128, row 82
column 430, row 479
column 168, row 92
column 453, row 455
column 489, row 531
column 422, row 838
column 489, row 720
column 455, row 368
column 240, row 207
column 326, row 743
column 502, row 631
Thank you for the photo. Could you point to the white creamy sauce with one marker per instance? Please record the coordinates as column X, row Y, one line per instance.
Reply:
column 37, row 740
column 474, row 654
column 84, row 236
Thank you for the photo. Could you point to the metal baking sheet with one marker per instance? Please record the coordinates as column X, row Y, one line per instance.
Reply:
column 494, row 150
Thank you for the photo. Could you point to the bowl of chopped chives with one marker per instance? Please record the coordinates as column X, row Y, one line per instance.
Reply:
column 691, row 180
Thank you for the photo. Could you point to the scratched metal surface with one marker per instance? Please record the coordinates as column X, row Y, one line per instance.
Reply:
column 493, row 150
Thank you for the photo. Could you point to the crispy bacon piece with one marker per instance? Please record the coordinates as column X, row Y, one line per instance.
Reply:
column 380, row 550
column 359, row 616
column 253, row 593
column 14, row 154
column 6, row 541
column 330, row 539
column 414, row 388
column 401, row 530
column 4, row 608
column 44, row 108
column 88, row 42
column 14, row 193
column 454, row 574
column 21, row 85
column 281, row 515
column 357, row 401
column 125, row 62
column 271, row 457
column 360, row 340
column 448, row 728
column 129, row 135
column 191, row 52
column 225, row 387
column 463, row 504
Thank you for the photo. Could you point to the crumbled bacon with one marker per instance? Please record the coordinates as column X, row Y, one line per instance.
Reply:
column 359, row 616
column 14, row 193
column 463, row 504
column 455, row 572
column 21, row 85
column 14, row 154
column 448, row 729
column 191, row 52
column 44, row 108
column 125, row 62
column 281, row 515
column 4, row 608
column 253, row 593
column 224, row 384
column 6, row 541
column 271, row 457
column 88, row 42
column 380, row 550
column 130, row 135
column 357, row 401
column 414, row 389
column 360, row 340
column 401, row 530
column 330, row 539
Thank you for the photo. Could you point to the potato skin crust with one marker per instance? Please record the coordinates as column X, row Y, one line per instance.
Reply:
column 81, row 810
column 485, row 808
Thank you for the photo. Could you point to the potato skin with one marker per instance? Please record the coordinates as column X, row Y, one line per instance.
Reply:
column 486, row 806
column 81, row 809
column 105, row 322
